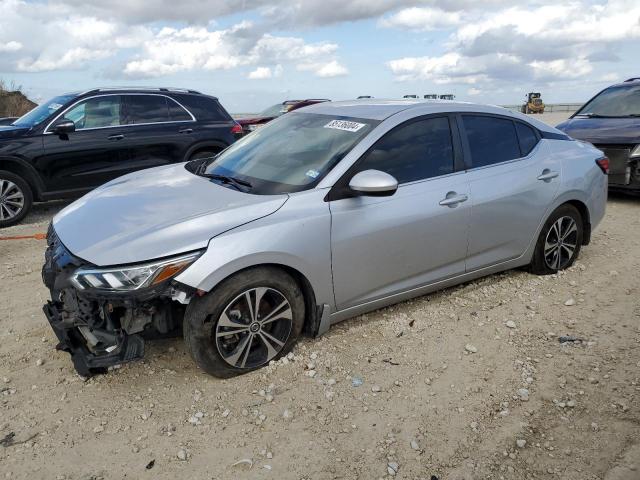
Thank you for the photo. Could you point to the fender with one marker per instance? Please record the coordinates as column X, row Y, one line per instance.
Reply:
column 285, row 237
column 213, row 144
column 24, row 169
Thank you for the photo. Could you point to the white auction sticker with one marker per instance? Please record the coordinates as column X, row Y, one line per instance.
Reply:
column 344, row 125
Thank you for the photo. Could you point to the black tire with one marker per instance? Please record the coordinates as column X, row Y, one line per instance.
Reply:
column 203, row 154
column 9, row 216
column 203, row 315
column 541, row 265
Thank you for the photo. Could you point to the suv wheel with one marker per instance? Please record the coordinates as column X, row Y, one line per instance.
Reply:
column 15, row 198
column 559, row 243
column 250, row 319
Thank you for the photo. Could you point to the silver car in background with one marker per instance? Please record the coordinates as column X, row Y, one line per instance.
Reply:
column 325, row 213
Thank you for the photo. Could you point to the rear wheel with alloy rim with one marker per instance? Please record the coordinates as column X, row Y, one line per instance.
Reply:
column 247, row 321
column 15, row 198
column 560, row 240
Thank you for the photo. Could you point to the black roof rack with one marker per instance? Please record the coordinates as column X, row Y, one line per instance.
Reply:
column 632, row 79
column 150, row 89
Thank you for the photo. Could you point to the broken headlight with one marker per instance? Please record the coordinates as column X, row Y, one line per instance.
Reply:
column 132, row 277
column 635, row 153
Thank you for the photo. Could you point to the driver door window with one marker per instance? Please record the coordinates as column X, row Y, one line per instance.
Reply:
column 98, row 112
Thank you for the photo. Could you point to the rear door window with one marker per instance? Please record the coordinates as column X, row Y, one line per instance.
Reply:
column 413, row 151
column 491, row 139
column 177, row 113
column 147, row 109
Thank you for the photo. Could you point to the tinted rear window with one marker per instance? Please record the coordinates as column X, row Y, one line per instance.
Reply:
column 491, row 139
column 528, row 138
column 203, row 107
column 147, row 109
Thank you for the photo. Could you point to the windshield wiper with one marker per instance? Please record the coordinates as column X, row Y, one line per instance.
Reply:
column 236, row 182
column 595, row 115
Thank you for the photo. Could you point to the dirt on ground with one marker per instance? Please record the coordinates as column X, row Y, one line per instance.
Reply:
column 469, row 383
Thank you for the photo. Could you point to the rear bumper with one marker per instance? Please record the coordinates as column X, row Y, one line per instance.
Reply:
column 86, row 363
column 624, row 170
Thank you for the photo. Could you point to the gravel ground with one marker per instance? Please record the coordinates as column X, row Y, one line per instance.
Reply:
column 468, row 383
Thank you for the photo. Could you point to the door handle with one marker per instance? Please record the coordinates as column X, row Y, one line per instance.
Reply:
column 547, row 175
column 117, row 136
column 452, row 199
column 185, row 130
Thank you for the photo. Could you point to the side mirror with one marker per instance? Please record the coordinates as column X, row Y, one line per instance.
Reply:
column 374, row 183
column 64, row 126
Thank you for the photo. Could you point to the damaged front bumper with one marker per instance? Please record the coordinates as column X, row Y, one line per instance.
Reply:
column 75, row 340
column 102, row 329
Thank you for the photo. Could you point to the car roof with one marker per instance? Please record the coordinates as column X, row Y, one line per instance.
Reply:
column 374, row 109
column 634, row 81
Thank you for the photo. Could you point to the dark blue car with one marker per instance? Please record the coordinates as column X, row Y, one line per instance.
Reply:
column 611, row 122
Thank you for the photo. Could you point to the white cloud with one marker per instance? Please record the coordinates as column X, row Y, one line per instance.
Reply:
column 332, row 69
column 260, row 73
column 11, row 46
column 190, row 48
column 424, row 19
column 498, row 46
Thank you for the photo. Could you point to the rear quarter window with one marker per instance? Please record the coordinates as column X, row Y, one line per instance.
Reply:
column 203, row 108
column 491, row 139
column 527, row 138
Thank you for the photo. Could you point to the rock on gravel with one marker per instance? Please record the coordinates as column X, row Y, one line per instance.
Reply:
column 470, row 348
column 523, row 394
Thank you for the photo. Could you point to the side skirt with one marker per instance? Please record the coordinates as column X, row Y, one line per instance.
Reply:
column 423, row 290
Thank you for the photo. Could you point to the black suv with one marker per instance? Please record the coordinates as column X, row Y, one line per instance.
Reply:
column 77, row 141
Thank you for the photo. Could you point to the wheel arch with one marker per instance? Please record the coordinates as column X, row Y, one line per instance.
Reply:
column 314, row 306
column 586, row 219
column 24, row 170
column 213, row 145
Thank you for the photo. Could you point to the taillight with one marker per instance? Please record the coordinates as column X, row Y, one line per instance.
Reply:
column 236, row 129
column 603, row 163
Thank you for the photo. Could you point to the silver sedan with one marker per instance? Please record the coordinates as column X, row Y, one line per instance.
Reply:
column 325, row 213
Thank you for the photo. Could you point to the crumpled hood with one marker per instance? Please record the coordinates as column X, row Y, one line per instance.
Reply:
column 9, row 131
column 155, row 213
column 603, row 130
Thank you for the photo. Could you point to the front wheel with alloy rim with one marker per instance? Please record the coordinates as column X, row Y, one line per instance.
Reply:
column 15, row 198
column 559, row 242
column 250, row 319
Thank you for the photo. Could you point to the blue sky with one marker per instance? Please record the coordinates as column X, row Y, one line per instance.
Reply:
column 252, row 54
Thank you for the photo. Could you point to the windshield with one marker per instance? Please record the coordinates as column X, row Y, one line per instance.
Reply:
column 273, row 111
column 43, row 111
column 292, row 153
column 622, row 101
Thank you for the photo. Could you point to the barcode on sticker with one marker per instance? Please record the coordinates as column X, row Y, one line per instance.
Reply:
column 344, row 125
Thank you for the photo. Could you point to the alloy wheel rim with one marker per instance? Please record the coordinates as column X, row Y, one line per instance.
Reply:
column 254, row 327
column 561, row 243
column 11, row 199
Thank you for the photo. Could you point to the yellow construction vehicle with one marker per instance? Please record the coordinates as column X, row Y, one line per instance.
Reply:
column 533, row 103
